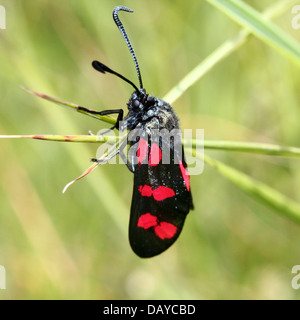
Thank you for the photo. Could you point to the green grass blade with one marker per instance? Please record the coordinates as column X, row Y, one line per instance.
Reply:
column 62, row 138
column 248, row 147
column 207, row 64
column 73, row 106
column 221, row 53
column 261, row 27
column 258, row 190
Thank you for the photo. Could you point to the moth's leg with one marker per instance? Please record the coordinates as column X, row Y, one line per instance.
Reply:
column 129, row 164
column 120, row 113
column 122, row 155
column 110, row 156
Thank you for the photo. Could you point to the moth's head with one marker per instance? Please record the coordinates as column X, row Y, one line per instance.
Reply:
column 140, row 101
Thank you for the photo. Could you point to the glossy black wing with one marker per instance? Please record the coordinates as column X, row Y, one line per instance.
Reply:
column 161, row 200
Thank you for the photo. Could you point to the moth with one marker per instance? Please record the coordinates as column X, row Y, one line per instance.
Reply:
column 161, row 196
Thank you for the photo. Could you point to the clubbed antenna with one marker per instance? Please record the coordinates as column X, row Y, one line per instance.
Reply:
column 124, row 34
column 103, row 69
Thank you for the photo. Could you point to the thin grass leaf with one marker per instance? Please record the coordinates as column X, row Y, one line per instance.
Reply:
column 246, row 147
column 85, row 173
column 62, row 138
column 258, row 190
column 261, row 27
column 221, row 53
column 73, row 106
column 207, row 64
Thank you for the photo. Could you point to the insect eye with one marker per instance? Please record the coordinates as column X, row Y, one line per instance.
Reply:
column 136, row 103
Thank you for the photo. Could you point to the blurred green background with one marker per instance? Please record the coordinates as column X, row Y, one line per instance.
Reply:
column 75, row 246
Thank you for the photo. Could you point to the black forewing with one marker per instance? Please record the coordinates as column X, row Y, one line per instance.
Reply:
column 170, row 213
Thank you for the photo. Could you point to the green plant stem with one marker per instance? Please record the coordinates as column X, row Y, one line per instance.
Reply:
column 246, row 147
column 261, row 27
column 91, row 113
column 256, row 189
column 221, row 53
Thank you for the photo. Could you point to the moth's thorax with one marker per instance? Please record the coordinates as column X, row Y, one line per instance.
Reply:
column 148, row 112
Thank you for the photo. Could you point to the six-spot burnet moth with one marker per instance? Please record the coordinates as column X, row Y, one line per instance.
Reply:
column 161, row 192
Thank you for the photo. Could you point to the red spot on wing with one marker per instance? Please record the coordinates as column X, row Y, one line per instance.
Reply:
column 159, row 194
column 155, row 155
column 147, row 221
column 185, row 175
column 162, row 193
column 146, row 191
column 164, row 230
column 142, row 150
